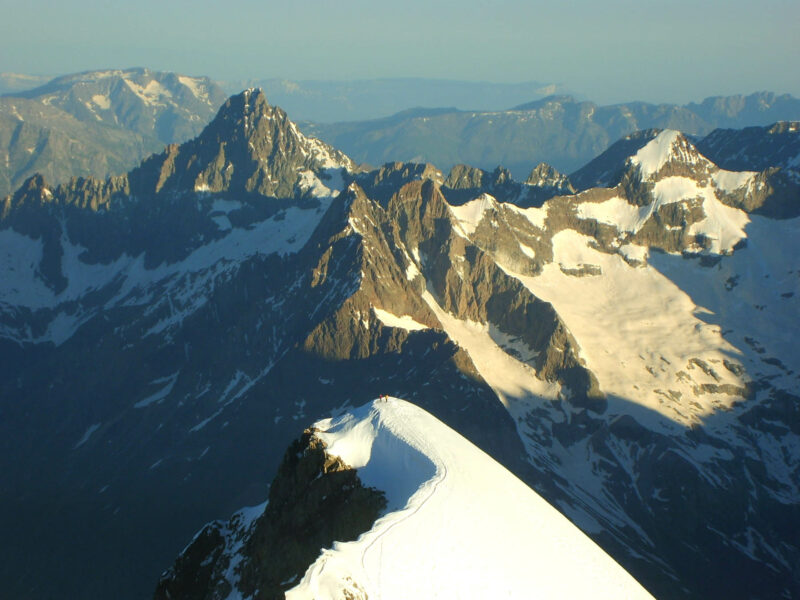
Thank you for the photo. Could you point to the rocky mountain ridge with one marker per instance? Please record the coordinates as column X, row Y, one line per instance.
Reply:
column 314, row 493
column 194, row 314
column 98, row 123
column 754, row 148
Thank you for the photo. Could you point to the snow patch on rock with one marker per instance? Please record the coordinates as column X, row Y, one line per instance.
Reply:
column 537, row 216
column 102, row 101
column 402, row 322
column 194, row 86
column 641, row 345
column 470, row 215
column 730, row 181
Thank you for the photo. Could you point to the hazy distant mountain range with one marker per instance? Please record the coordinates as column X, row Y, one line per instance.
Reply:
column 559, row 130
column 168, row 106
column 331, row 101
column 19, row 82
column 99, row 122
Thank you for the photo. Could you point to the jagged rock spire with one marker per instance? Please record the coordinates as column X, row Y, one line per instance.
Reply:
column 546, row 176
column 250, row 147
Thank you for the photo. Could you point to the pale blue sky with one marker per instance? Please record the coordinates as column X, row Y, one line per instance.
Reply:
column 619, row 50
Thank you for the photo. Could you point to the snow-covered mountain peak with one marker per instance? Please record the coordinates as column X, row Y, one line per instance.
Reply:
column 660, row 191
column 456, row 524
column 464, row 527
column 667, row 147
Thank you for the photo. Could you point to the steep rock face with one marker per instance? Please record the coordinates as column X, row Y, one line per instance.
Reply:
column 545, row 176
column 607, row 169
column 774, row 151
column 466, row 281
column 314, row 500
column 375, row 245
column 249, row 146
column 382, row 183
column 465, row 177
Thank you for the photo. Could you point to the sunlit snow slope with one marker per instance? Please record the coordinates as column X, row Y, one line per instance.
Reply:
column 462, row 526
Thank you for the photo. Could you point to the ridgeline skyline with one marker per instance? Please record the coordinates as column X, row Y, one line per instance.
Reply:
column 617, row 51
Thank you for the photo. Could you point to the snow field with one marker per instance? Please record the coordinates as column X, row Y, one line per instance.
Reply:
column 645, row 334
column 666, row 146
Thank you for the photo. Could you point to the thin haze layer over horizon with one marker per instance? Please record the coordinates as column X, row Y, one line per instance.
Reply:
column 614, row 51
